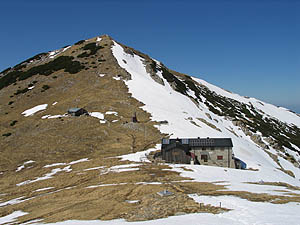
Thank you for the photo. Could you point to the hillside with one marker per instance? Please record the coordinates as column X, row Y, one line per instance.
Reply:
column 54, row 167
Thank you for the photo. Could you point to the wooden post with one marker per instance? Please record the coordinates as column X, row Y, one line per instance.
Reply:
column 220, row 204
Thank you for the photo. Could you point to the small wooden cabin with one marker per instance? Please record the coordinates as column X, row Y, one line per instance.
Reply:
column 77, row 111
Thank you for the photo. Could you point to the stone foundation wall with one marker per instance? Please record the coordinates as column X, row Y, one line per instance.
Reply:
column 215, row 157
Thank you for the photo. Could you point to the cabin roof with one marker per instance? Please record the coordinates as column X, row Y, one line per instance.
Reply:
column 73, row 110
column 177, row 145
column 200, row 142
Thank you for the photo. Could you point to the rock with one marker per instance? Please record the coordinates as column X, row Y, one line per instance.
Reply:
column 258, row 140
column 152, row 73
column 208, row 115
column 129, row 51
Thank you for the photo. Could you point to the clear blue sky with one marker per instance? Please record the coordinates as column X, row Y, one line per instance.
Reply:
column 248, row 47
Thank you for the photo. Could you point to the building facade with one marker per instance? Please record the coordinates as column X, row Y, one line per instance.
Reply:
column 203, row 151
column 176, row 153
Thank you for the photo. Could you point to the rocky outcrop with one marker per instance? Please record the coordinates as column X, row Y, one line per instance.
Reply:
column 242, row 126
column 273, row 143
column 150, row 66
column 256, row 138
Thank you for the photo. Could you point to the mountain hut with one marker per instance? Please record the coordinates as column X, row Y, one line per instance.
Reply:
column 203, row 151
column 77, row 111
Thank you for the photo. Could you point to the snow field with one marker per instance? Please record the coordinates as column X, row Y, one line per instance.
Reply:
column 166, row 104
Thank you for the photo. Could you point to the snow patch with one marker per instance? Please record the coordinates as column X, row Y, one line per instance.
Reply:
column 237, row 180
column 13, row 201
column 121, row 168
column 148, row 183
column 43, row 189
column 111, row 113
column 55, row 53
column 105, row 185
column 20, row 168
column 246, row 212
column 54, row 116
column 79, row 161
column 139, row 156
column 98, row 115
column 94, row 168
column 46, row 176
column 23, row 166
column 55, row 164
column 30, row 112
column 132, row 201
column 12, row 217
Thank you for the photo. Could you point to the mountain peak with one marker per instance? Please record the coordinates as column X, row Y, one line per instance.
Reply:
column 133, row 101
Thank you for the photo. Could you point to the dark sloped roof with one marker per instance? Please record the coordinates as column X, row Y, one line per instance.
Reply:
column 176, row 145
column 73, row 110
column 200, row 142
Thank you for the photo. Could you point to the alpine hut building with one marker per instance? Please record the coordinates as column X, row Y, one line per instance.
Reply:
column 203, row 151
column 77, row 111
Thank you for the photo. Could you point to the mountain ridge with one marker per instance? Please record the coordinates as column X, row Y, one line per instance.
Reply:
column 114, row 82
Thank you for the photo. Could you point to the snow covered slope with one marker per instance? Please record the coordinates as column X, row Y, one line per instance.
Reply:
column 191, row 114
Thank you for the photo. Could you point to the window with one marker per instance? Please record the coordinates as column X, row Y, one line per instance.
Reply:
column 220, row 157
column 165, row 141
column 185, row 141
column 204, row 157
